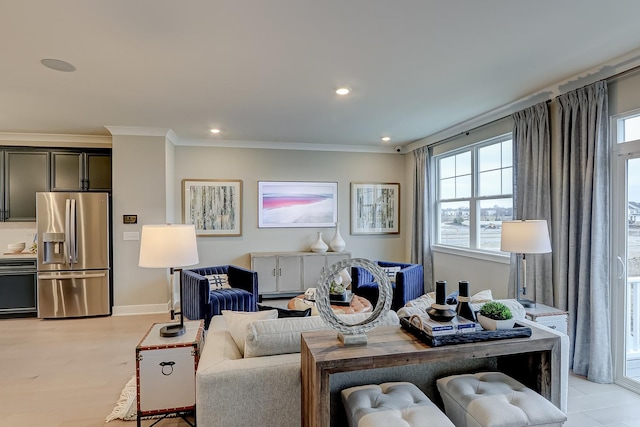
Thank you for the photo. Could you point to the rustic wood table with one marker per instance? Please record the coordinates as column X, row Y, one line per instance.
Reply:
column 534, row 361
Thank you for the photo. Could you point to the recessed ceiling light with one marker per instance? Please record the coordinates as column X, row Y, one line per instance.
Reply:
column 343, row 91
column 386, row 139
column 58, row 65
column 215, row 131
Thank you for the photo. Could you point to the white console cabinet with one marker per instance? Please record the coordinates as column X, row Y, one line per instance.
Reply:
column 283, row 273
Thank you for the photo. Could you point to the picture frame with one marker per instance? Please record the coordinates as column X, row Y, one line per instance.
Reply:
column 375, row 208
column 289, row 204
column 214, row 206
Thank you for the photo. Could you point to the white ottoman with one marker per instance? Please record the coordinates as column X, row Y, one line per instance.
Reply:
column 395, row 404
column 490, row 399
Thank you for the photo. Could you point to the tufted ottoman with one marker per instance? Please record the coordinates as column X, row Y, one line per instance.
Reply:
column 395, row 404
column 490, row 399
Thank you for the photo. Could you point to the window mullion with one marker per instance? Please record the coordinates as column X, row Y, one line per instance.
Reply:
column 473, row 203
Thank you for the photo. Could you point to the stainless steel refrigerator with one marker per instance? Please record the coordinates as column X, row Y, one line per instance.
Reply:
column 73, row 254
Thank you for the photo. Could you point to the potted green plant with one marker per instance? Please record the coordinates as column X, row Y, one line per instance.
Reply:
column 337, row 291
column 495, row 315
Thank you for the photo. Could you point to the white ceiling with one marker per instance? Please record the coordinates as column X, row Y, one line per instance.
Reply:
column 264, row 71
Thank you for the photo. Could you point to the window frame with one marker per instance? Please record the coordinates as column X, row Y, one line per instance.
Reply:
column 474, row 200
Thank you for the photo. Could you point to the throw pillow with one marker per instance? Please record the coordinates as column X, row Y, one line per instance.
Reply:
column 391, row 272
column 285, row 312
column 237, row 322
column 218, row 281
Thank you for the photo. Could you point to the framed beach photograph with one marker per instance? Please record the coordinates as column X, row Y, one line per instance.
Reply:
column 214, row 206
column 297, row 204
column 375, row 208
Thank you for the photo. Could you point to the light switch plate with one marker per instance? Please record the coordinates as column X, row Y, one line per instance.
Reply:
column 130, row 235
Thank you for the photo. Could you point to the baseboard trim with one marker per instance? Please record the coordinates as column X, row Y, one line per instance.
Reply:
column 130, row 310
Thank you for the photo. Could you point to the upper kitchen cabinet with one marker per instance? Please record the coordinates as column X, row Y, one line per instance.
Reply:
column 25, row 173
column 81, row 171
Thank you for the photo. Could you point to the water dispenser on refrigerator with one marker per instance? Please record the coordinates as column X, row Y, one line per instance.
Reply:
column 53, row 250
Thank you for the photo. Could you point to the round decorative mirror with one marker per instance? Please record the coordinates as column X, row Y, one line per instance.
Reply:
column 353, row 333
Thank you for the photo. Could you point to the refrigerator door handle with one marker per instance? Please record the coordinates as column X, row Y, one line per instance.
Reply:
column 74, row 237
column 67, row 231
column 70, row 276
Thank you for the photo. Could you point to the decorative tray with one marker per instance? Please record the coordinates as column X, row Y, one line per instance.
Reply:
column 345, row 301
column 518, row 331
column 341, row 300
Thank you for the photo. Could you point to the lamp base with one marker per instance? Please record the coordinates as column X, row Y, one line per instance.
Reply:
column 527, row 303
column 172, row 330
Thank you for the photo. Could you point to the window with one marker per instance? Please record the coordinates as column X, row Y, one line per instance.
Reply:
column 628, row 129
column 474, row 189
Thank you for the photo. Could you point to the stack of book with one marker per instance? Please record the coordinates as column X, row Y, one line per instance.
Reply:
column 457, row 325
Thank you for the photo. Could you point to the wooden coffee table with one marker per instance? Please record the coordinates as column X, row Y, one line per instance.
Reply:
column 358, row 305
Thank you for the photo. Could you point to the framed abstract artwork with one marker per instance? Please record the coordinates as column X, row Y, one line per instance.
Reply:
column 297, row 204
column 375, row 208
column 214, row 206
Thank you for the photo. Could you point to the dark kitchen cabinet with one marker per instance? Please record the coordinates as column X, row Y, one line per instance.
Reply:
column 80, row 171
column 24, row 172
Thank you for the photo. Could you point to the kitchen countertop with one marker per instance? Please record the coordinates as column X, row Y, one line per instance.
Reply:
column 21, row 255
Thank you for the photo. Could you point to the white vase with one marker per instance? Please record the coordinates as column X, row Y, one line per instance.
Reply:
column 319, row 245
column 337, row 244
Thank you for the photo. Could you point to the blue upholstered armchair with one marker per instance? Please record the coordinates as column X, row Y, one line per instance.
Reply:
column 408, row 285
column 202, row 303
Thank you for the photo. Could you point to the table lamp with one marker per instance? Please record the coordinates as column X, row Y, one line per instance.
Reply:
column 524, row 237
column 169, row 246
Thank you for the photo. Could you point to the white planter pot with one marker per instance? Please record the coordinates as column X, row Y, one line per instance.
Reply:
column 491, row 325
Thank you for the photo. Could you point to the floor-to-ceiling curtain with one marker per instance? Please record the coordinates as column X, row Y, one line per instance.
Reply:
column 420, row 240
column 581, row 168
column 532, row 191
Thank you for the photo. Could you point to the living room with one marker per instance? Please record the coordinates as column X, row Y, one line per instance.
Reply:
column 151, row 159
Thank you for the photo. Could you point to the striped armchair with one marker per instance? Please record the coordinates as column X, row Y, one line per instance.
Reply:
column 408, row 284
column 202, row 303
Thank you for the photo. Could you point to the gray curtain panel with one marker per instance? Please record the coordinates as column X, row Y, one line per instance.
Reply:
column 420, row 240
column 582, row 252
column 532, row 191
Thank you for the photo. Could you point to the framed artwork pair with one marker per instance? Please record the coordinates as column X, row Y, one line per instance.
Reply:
column 215, row 206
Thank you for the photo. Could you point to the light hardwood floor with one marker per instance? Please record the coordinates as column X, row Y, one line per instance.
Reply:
column 69, row 373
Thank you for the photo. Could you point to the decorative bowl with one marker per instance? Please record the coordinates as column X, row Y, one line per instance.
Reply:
column 16, row 247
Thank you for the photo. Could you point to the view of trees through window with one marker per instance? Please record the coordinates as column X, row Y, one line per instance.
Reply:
column 474, row 195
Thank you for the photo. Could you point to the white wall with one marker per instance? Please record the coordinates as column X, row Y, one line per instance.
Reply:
column 481, row 274
column 147, row 181
column 253, row 165
column 139, row 187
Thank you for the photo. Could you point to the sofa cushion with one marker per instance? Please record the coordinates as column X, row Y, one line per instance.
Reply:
column 281, row 336
column 237, row 322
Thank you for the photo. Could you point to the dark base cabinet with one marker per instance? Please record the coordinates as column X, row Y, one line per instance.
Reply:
column 18, row 288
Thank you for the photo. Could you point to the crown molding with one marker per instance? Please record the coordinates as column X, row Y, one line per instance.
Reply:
column 51, row 140
column 138, row 131
column 271, row 145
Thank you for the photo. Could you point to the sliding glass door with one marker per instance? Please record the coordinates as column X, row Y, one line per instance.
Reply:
column 625, row 306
